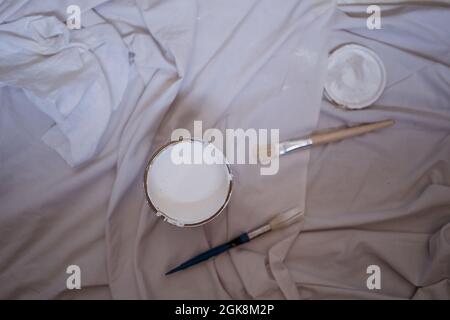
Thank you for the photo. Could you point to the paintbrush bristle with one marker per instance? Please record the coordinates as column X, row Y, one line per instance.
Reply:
column 265, row 153
column 285, row 219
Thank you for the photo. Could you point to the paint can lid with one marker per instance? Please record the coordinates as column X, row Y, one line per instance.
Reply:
column 356, row 77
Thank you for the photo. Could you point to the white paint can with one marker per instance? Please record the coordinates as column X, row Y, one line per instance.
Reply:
column 188, row 182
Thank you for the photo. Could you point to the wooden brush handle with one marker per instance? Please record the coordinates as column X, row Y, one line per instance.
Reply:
column 322, row 138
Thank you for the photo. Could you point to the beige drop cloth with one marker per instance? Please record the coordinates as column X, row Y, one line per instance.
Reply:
column 381, row 199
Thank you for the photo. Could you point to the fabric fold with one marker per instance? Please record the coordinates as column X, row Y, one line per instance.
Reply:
column 76, row 77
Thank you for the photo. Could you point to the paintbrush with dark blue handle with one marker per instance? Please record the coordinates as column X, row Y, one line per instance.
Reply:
column 282, row 220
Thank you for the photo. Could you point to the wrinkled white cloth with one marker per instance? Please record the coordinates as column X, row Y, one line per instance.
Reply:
column 370, row 2
column 377, row 199
column 76, row 77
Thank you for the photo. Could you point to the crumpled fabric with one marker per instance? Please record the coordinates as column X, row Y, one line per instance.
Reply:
column 377, row 199
column 242, row 65
column 384, row 199
column 77, row 78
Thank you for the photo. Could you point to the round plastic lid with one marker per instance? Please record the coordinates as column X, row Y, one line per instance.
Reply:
column 356, row 77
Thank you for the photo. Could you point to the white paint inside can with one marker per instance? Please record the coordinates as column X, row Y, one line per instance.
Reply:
column 188, row 193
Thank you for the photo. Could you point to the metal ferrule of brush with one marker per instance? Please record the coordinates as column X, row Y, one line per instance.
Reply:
column 259, row 231
column 292, row 145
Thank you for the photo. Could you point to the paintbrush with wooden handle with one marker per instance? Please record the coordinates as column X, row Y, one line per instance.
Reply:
column 280, row 221
column 268, row 152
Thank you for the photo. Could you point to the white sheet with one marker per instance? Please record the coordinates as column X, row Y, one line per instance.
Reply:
column 235, row 64
column 39, row 53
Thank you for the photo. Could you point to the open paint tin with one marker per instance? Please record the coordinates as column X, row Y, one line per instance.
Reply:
column 356, row 77
column 188, row 182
